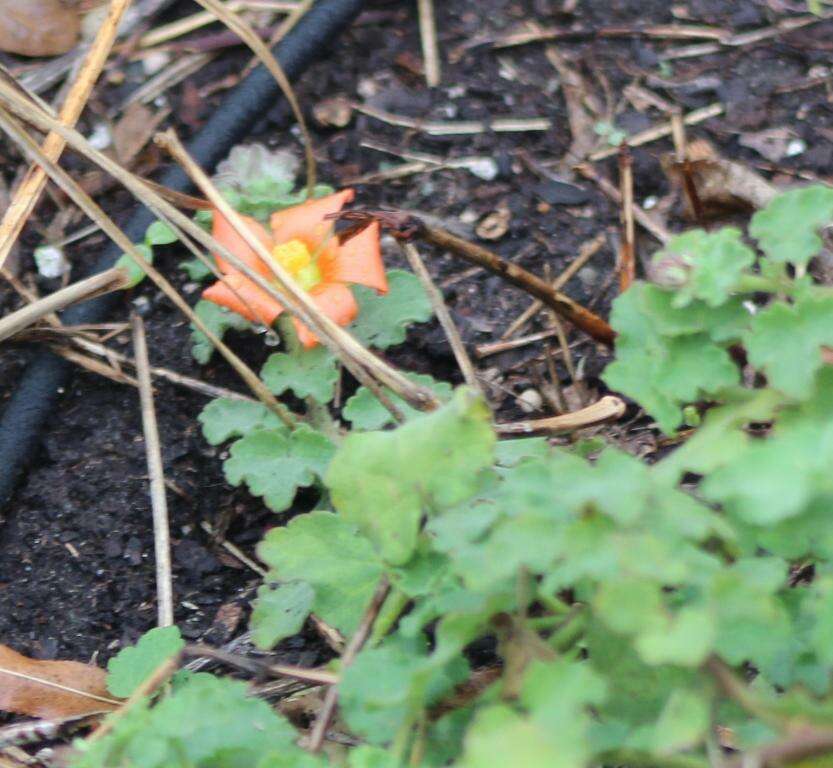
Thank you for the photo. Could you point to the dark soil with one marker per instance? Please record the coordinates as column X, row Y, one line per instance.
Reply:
column 76, row 548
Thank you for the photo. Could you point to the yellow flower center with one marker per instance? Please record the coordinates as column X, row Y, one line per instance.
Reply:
column 295, row 257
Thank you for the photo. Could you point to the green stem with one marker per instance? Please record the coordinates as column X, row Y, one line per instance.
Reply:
column 761, row 284
column 389, row 613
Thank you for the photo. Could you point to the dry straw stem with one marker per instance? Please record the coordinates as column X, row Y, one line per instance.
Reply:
column 428, row 36
column 33, row 183
column 608, row 408
column 104, row 282
column 298, row 301
column 166, row 32
column 660, row 131
column 158, row 497
column 71, row 188
column 443, row 315
column 587, row 252
column 357, row 641
column 458, row 128
column 244, row 30
column 627, row 252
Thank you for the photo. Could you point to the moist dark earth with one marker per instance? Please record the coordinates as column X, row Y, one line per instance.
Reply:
column 76, row 544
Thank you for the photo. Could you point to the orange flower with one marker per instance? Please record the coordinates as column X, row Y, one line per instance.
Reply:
column 303, row 241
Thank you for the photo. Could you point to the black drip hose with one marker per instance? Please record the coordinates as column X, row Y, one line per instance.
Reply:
column 37, row 395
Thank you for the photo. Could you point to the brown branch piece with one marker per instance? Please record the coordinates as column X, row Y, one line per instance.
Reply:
column 627, row 260
column 404, row 226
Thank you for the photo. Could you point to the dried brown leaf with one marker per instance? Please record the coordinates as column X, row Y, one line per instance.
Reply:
column 51, row 689
column 38, row 27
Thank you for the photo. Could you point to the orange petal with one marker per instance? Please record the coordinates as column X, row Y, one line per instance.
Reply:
column 359, row 260
column 308, row 221
column 245, row 297
column 336, row 301
column 224, row 233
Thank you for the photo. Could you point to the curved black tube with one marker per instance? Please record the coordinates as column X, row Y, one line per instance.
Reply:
column 40, row 388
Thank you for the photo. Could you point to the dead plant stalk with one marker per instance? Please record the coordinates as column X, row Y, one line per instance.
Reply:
column 158, row 498
column 28, row 193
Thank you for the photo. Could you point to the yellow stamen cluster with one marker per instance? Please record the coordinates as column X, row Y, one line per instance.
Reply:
column 293, row 256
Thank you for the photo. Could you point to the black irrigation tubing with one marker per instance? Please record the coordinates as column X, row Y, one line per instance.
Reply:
column 40, row 388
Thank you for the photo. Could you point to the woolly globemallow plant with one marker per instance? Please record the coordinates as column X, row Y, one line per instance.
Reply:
column 303, row 241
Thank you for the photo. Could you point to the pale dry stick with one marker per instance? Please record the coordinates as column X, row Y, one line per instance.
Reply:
column 746, row 38
column 443, row 315
column 301, row 8
column 661, row 131
column 428, row 36
column 180, row 27
column 298, row 301
column 156, row 472
column 456, row 128
column 148, row 686
column 113, row 279
column 608, row 408
column 94, row 366
column 245, row 32
column 643, row 218
column 175, row 73
column 627, row 259
column 58, row 686
column 496, row 347
column 587, row 252
column 325, row 715
column 28, row 193
column 71, row 188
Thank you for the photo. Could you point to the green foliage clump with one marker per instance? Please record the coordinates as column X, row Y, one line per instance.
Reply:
column 546, row 608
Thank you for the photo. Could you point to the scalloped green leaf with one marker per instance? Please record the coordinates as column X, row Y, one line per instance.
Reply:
column 225, row 418
column 307, row 372
column 787, row 230
column 383, row 320
column 274, row 464
column 218, row 320
column 135, row 274
column 711, row 264
column 785, row 342
column 365, row 412
column 330, row 555
column 280, row 611
column 196, row 270
column 383, row 482
column 159, row 233
column 132, row 666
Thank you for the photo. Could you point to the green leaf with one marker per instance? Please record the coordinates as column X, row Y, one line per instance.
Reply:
column 663, row 373
column 225, row 418
column 196, row 270
column 135, row 274
column 132, row 666
column 711, row 263
column 332, row 557
column 218, row 320
column 365, row 412
column 788, row 228
column 159, row 233
column 387, row 687
column 683, row 723
column 384, row 481
column 274, row 464
column 785, row 342
column 383, row 320
column 208, row 722
column 307, row 372
column 280, row 612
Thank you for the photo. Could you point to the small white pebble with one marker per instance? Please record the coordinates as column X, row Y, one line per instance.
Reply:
column 795, row 147
column 483, row 167
column 100, row 138
column 51, row 261
column 530, row 400
column 469, row 216
column 155, row 61
column 650, row 202
column 456, row 91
